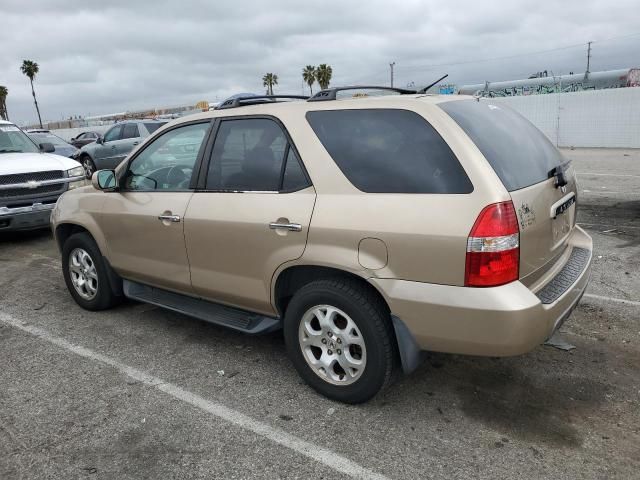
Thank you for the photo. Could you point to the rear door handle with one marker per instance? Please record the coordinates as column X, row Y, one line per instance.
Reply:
column 135, row 143
column 293, row 227
column 169, row 218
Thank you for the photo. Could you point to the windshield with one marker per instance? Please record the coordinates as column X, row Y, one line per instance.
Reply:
column 518, row 152
column 48, row 138
column 14, row 140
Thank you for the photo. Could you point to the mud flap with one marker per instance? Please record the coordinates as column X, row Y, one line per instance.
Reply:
column 411, row 356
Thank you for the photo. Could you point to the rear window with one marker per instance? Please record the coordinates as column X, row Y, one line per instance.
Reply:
column 152, row 127
column 520, row 154
column 389, row 151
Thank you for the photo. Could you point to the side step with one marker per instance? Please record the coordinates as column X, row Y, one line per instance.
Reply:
column 230, row 317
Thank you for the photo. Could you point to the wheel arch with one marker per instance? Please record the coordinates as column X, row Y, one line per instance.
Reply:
column 292, row 278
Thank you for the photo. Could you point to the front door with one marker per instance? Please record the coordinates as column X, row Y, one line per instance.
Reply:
column 144, row 221
column 105, row 153
column 253, row 216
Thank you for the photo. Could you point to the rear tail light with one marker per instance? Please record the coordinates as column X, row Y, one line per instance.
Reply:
column 493, row 247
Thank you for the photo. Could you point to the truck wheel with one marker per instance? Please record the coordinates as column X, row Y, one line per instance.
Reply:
column 85, row 273
column 88, row 165
column 340, row 339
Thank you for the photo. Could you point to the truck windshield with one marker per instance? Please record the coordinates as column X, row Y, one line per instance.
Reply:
column 14, row 140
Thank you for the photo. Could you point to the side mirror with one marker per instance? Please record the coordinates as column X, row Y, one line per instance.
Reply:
column 47, row 147
column 72, row 139
column 100, row 140
column 104, row 180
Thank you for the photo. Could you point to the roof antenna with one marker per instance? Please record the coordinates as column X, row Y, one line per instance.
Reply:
column 424, row 90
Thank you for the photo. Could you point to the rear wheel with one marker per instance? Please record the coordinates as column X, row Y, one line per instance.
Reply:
column 88, row 165
column 340, row 340
column 85, row 273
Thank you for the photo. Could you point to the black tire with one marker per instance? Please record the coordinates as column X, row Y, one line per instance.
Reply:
column 372, row 318
column 104, row 297
column 88, row 165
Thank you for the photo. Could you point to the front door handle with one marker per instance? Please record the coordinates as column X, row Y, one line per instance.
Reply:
column 135, row 143
column 169, row 218
column 293, row 227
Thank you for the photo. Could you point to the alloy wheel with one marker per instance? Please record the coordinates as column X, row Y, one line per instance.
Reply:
column 332, row 345
column 84, row 276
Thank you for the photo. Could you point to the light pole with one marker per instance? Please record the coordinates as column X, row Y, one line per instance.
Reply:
column 391, row 65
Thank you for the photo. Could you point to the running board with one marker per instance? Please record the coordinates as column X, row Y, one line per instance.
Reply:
column 230, row 317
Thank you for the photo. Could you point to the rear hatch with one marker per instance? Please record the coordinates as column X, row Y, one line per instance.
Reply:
column 540, row 180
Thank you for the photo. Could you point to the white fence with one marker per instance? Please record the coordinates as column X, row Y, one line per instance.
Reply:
column 68, row 133
column 596, row 118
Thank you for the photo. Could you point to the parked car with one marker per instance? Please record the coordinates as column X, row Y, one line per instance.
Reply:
column 109, row 150
column 84, row 138
column 31, row 179
column 369, row 229
column 60, row 146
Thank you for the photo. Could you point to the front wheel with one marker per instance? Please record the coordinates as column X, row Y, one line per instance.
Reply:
column 88, row 165
column 85, row 273
column 340, row 339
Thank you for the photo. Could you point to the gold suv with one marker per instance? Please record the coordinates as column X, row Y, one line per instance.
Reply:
column 369, row 229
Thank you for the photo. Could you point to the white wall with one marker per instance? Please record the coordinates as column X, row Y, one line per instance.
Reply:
column 596, row 118
column 68, row 133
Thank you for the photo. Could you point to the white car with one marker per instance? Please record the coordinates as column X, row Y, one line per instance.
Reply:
column 31, row 179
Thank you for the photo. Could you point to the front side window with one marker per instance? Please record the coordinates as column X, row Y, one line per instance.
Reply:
column 253, row 155
column 389, row 151
column 130, row 130
column 167, row 163
column 113, row 134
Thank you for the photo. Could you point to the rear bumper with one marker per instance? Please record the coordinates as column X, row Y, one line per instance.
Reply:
column 25, row 218
column 501, row 321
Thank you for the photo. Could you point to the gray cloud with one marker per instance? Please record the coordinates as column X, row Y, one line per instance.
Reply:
column 96, row 58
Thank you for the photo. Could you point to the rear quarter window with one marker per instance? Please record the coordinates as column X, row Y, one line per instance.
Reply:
column 519, row 153
column 389, row 151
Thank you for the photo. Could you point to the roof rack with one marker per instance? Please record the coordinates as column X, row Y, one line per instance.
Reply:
column 330, row 93
column 256, row 99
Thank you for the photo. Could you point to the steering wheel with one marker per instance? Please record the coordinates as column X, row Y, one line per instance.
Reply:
column 176, row 176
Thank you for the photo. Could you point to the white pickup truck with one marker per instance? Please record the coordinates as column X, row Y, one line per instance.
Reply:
column 31, row 179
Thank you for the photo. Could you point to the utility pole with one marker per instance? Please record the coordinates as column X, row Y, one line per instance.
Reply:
column 391, row 65
column 588, row 58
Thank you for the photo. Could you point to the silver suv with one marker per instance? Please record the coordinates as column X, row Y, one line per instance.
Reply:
column 117, row 142
column 370, row 229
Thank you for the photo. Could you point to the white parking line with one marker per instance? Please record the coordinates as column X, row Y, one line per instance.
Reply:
column 607, row 174
column 612, row 299
column 276, row 435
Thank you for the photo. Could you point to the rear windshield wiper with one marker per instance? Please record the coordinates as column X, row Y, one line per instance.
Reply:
column 4, row 150
column 559, row 173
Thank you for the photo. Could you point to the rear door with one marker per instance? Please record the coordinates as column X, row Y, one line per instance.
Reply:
column 129, row 139
column 251, row 216
column 540, row 180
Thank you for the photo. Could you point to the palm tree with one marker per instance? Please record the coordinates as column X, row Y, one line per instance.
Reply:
column 323, row 75
column 30, row 69
column 269, row 80
column 309, row 76
column 4, row 91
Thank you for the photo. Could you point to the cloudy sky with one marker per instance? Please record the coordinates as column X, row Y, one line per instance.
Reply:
column 111, row 56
